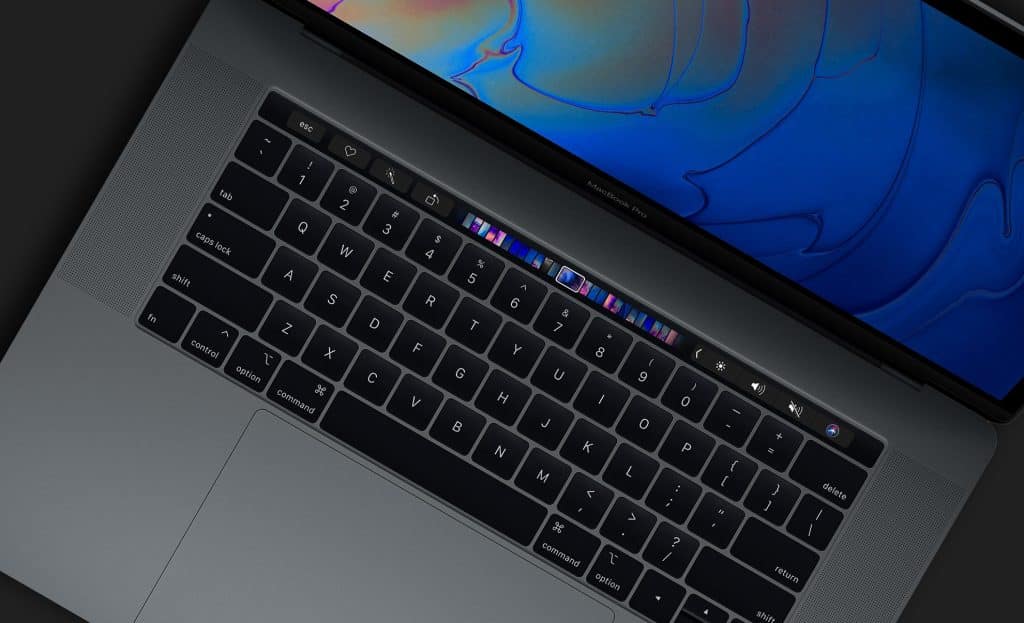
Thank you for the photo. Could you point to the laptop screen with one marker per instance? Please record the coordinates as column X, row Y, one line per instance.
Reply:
column 871, row 151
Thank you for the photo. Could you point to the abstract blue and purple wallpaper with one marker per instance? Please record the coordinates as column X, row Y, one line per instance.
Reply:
column 870, row 150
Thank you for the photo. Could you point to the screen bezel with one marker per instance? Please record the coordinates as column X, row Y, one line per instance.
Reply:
column 689, row 239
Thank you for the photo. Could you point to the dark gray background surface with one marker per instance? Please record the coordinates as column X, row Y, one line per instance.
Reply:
column 76, row 81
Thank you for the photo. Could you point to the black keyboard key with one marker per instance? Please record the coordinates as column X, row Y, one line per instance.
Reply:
column 715, row 520
column 329, row 353
column 417, row 348
column 422, row 462
column 167, row 314
column 457, row 427
column 500, row 451
column 350, row 151
column 306, row 126
column 566, row 546
column 545, row 422
column 588, row 447
column 217, row 288
column 687, row 448
column 476, row 271
column 561, row 320
column 332, row 299
column 689, row 394
column 345, row 251
column 374, row 323
column 673, row 495
column 414, row 402
column 631, row 471
column 543, row 476
column 671, row 549
column 209, row 339
column 263, row 148
column 585, row 500
column 503, row 397
column 732, row 419
column 700, row 610
column 559, row 374
column 604, row 345
column 391, row 221
column 249, row 196
column 460, row 372
column 300, row 391
column 431, row 300
column 388, row 276
column 737, row 588
column 303, row 226
column 644, row 424
column 657, row 597
column 433, row 199
column 433, row 246
column 775, row 443
column 601, row 399
column 828, row 474
column 348, row 197
column 519, row 296
column 771, row 497
column 814, row 522
column 627, row 525
column 774, row 554
column 252, row 363
column 473, row 325
column 729, row 473
column 614, row 573
column 287, row 328
column 392, row 176
column 372, row 378
column 516, row 349
column 289, row 274
column 305, row 172
column 231, row 241
column 646, row 369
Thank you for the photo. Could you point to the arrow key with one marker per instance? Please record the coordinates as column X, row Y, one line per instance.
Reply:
column 657, row 597
column 585, row 500
column 700, row 610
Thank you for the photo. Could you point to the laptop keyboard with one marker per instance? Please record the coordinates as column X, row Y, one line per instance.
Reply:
column 337, row 284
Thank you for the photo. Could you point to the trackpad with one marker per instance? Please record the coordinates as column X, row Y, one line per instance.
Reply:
column 295, row 531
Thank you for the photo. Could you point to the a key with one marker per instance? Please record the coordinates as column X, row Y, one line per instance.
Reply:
column 476, row 271
column 774, row 554
column 388, row 276
column 433, row 199
column 559, row 374
column 430, row 300
column 561, row 320
column 646, row 369
column 391, row 221
column 348, row 197
column 775, row 443
column 500, row 452
column 771, row 497
column 737, row 588
column 715, row 520
column 502, row 397
column 332, row 299
column 657, row 597
column 249, row 196
column 457, row 427
column 289, row 274
column 673, row 495
column 371, row 377
column 614, row 573
column 700, row 610
column 671, row 550
column 230, row 240
column 631, row 471
column 460, row 372
column 374, row 324
column 543, row 476
column 604, row 345
column 732, row 419
column 545, row 422
column 252, row 363
column 350, row 151
column 814, row 522
column 329, row 353
column 585, row 500
column 729, row 473
column 519, row 296
column 223, row 292
column 828, row 474
column 601, row 399
column 305, row 172
column 516, row 349
column 209, row 339
column 588, row 447
column 689, row 394
column 627, row 525
column 433, row 246
column 263, row 148
column 566, row 545
column 687, row 448
column 287, row 328
column 414, row 402
column 473, row 325
column 167, row 314
column 392, row 176
column 301, row 392
column 303, row 226
column 644, row 424
column 345, row 251
column 417, row 348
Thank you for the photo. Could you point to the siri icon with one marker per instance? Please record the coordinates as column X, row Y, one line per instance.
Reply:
column 832, row 430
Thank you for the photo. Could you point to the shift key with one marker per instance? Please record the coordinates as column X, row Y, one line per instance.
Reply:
column 225, row 293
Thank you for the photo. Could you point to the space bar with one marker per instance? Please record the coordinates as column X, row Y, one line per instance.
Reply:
column 428, row 465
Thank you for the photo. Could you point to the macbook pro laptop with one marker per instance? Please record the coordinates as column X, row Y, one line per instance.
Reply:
column 498, row 311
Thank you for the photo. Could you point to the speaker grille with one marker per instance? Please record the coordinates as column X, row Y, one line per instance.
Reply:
column 886, row 548
column 159, row 180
